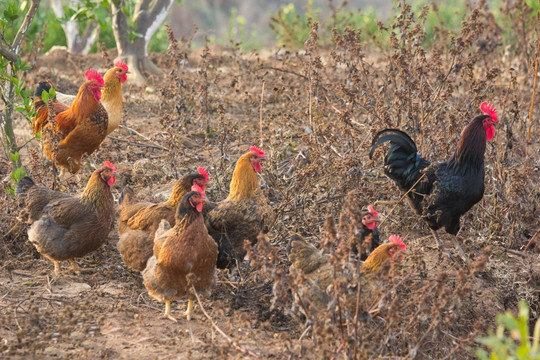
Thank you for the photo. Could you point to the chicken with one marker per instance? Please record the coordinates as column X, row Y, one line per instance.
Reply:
column 441, row 192
column 367, row 238
column 184, row 256
column 64, row 227
column 319, row 272
column 79, row 128
column 139, row 221
column 243, row 214
column 112, row 94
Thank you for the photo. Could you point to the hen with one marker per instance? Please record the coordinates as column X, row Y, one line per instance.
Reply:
column 184, row 256
column 367, row 238
column 112, row 94
column 441, row 192
column 319, row 272
column 243, row 214
column 66, row 227
column 139, row 221
column 79, row 128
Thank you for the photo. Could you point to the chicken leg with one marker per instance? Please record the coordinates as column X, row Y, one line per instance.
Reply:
column 439, row 243
column 189, row 307
column 167, row 313
column 57, row 271
column 458, row 246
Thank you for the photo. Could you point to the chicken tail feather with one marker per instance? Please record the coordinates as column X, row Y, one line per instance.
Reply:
column 395, row 136
column 127, row 196
column 304, row 256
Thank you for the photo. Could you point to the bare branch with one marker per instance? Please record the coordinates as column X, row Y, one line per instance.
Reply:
column 24, row 27
column 11, row 56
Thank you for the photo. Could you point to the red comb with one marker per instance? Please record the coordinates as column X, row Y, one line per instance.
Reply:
column 489, row 110
column 202, row 171
column 121, row 64
column 94, row 75
column 258, row 151
column 373, row 211
column 109, row 165
column 396, row 239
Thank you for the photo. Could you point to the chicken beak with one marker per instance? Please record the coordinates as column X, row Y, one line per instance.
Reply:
column 377, row 220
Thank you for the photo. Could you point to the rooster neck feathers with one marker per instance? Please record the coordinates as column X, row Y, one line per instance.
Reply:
column 85, row 103
column 244, row 179
column 469, row 154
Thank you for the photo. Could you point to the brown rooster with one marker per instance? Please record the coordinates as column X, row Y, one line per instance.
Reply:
column 243, row 214
column 184, row 256
column 80, row 128
column 112, row 94
column 319, row 273
column 66, row 227
column 139, row 221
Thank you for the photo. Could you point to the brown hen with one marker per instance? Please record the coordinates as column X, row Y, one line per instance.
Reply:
column 139, row 221
column 243, row 215
column 184, row 256
column 319, row 272
column 66, row 227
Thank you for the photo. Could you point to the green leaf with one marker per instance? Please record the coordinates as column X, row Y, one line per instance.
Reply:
column 45, row 96
column 14, row 156
column 18, row 174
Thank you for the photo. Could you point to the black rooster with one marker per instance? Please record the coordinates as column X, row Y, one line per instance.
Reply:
column 441, row 192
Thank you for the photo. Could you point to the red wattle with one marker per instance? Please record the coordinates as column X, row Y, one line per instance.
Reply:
column 371, row 226
column 111, row 181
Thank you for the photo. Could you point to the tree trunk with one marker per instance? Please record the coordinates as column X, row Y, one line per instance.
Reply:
column 9, row 140
column 148, row 18
column 76, row 43
column 11, row 52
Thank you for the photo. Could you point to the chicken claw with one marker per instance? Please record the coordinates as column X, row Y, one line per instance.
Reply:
column 167, row 313
column 76, row 269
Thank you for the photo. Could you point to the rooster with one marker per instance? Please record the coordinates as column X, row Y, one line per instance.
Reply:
column 112, row 94
column 441, row 192
column 184, row 256
column 319, row 272
column 64, row 227
column 243, row 214
column 80, row 128
column 139, row 221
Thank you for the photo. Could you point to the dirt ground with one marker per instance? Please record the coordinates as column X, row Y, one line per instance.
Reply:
column 106, row 312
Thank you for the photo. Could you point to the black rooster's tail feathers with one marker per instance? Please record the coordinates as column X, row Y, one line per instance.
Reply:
column 23, row 185
column 42, row 86
column 395, row 136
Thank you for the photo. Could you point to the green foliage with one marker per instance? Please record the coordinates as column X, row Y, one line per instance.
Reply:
column 237, row 32
column 292, row 28
column 14, row 94
column 515, row 345
column 16, row 174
